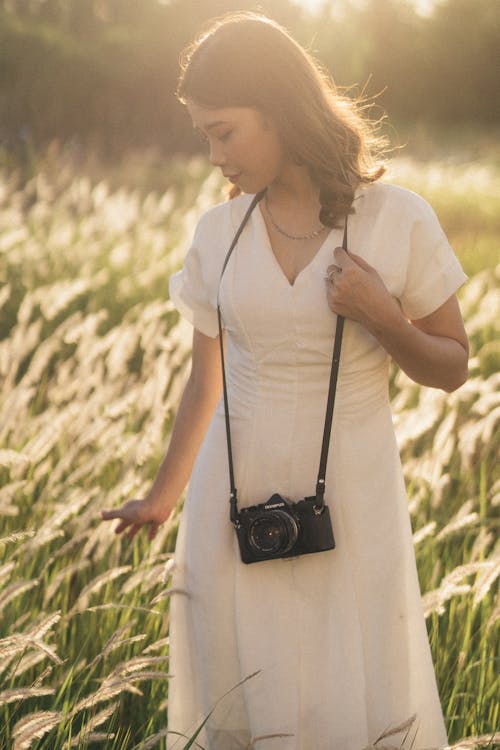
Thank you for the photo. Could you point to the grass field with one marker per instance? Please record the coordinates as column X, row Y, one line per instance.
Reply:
column 92, row 362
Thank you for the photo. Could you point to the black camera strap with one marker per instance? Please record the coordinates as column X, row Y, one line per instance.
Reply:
column 320, row 484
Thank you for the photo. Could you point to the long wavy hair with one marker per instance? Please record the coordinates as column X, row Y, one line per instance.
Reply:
column 248, row 60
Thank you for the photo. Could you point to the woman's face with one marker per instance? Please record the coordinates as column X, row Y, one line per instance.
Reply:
column 243, row 143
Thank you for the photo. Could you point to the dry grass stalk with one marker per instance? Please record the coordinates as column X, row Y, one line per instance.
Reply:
column 16, row 589
column 157, row 646
column 424, row 532
column 93, row 723
column 486, row 580
column 168, row 593
column 464, row 518
column 34, row 727
column 137, row 663
column 91, row 737
column 17, row 536
column 470, row 743
column 129, row 607
column 19, row 642
column 96, row 585
column 405, row 727
column 20, row 694
column 10, row 458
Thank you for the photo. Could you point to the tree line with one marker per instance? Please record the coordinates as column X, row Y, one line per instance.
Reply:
column 103, row 72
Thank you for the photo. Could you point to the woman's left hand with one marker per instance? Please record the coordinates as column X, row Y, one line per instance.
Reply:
column 356, row 291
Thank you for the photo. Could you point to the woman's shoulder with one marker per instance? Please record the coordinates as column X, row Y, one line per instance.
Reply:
column 393, row 200
column 224, row 217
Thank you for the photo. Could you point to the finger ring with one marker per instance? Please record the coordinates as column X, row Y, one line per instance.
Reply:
column 332, row 272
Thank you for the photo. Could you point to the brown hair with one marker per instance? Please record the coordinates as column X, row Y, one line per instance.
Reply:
column 248, row 60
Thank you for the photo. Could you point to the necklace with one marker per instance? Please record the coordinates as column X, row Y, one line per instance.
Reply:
column 309, row 236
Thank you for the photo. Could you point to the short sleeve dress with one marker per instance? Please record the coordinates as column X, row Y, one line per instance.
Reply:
column 336, row 641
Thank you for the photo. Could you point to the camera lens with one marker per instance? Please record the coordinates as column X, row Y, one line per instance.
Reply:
column 273, row 533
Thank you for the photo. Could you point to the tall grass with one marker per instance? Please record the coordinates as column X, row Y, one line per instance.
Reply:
column 92, row 362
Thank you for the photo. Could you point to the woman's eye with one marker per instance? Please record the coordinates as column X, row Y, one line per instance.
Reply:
column 225, row 136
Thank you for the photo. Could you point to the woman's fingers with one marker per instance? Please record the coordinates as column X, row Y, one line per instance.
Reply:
column 132, row 517
column 124, row 524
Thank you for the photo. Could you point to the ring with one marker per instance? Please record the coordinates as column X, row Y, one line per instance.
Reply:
column 330, row 276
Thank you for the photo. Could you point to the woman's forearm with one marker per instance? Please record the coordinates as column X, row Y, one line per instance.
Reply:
column 429, row 359
column 193, row 416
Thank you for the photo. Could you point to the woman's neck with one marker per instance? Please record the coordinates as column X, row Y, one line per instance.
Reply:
column 294, row 187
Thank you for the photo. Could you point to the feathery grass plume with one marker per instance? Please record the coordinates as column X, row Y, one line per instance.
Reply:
column 17, row 536
column 404, row 727
column 168, row 593
column 25, row 664
column 111, row 686
column 481, row 544
column 15, row 644
column 157, row 645
column 110, row 647
column 114, row 641
column 136, row 664
column 470, row 743
column 46, row 623
column 33, row 727
column 486, row 579
column 6, row 569
column 87, row 734
column 10, row 458
column 97, row 584
column 451, row 586
column 495, row 615
column 86, row 738
column 20, row 694
column 154, row 739
column 147, row 578
column 16, row 589
column 60, row 577
column 424, row 532
column 129, row 607
column 465, row 518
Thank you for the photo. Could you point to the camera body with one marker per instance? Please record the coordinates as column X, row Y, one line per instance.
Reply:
column 281, row 528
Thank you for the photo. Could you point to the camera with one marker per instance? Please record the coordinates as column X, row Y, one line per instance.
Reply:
column 281, row 528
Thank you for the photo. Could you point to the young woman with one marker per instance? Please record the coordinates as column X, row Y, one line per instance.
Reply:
column 338, row 636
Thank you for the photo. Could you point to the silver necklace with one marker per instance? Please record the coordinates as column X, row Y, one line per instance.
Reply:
column 309, row 236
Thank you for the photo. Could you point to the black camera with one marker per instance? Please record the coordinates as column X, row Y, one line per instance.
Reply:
column 281, row 528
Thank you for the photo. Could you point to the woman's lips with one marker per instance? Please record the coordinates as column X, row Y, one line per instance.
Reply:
column 232, row 177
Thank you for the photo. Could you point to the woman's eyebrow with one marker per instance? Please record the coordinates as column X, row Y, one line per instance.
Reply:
column 211, row 125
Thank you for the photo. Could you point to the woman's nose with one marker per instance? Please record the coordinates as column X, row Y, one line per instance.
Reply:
column 217, row 158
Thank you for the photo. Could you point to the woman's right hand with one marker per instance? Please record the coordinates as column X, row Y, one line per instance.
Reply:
column 135, row 514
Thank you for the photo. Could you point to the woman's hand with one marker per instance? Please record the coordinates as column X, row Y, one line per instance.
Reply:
column 135, row 514
column 356, row 291
column 200, row 396
column 433, row 350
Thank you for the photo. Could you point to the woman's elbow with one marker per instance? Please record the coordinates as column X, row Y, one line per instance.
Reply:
column 457, row 373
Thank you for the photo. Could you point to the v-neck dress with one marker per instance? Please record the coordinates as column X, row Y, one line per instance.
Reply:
column 336, row 641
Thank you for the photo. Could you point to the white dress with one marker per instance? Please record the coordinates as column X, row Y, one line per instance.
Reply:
column 338, row 638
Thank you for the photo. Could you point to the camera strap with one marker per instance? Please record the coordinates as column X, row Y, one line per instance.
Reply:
column 320, row 484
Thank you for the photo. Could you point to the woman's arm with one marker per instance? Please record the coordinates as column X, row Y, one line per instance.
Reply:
column 200, row 396
column 433, row 351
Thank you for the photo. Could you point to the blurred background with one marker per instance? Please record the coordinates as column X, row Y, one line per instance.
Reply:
column 101, row 74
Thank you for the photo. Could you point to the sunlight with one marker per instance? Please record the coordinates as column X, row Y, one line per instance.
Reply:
column 423, row 7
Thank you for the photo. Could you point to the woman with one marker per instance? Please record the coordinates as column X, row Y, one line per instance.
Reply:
column 337, row 637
